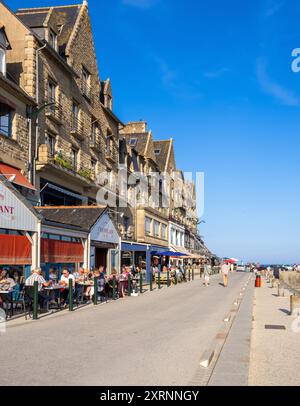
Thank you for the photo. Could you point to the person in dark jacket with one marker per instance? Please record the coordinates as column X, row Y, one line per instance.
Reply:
column 276, row 273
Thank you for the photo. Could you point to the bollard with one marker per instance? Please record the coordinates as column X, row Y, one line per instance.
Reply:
column 158, row 280
column 141, row 283
column 295, row 305
column 281, row 290
column 193, row 274
column 151, row 282
column 70, row 295
column 168, row 279
column 129, row 285
column 189, row 275
column 35, row 300
column 95, row 291
column 114, row 287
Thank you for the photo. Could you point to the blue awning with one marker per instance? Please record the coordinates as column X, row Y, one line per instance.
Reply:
column 169, row 254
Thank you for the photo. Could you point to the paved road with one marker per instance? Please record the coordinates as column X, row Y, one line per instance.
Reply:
column 155, row 339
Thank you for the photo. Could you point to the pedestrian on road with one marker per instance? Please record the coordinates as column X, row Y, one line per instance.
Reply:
column 206, row 278
column 225, row 271
column 276, row 273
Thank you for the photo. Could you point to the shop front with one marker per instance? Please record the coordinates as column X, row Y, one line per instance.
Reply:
column 140, row 255
column 20, row 227
column 78, row 236
column 104, row 243
column 61, row 248
column 137, row 256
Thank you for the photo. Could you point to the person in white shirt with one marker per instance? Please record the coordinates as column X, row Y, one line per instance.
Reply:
column 64, row 283
column 225, row 271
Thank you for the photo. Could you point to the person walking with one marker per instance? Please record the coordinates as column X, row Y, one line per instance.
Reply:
column 225, row 271
column 206, row 278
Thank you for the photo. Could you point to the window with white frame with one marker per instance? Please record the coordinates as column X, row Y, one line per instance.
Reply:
column 53, row 39
column 156, row 228
column 108, row 146
column 163, row 231
column 86, row 82
column 6, row 118
column 94, row 131
column 74, row 154
column 148, row 225
column 51, row 141
column 75, row 116
column 3, row 61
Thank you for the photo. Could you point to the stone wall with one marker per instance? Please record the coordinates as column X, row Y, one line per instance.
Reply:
column 292, row 279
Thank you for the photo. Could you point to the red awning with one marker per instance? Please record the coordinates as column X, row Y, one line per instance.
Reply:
column 14, row 250
column 9, row 171
column 57, row 252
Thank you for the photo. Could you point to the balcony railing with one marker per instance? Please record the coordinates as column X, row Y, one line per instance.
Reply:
column 54, row 111
column 86, row 90
column 94, row 144
column 77, row 129
column 109, row 155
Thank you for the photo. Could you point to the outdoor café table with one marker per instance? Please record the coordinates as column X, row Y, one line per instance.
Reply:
column 7, row 297
column 85, row 285
column 90, row 283
column 57, row 290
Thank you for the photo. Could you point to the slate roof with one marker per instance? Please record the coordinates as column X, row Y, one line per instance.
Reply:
column 31, row 19
column 141, row 144
column 80, row 217
column 161, row 159
column 65, row 16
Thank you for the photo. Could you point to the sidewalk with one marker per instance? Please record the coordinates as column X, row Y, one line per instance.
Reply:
column 275, row 355
column 232, row 367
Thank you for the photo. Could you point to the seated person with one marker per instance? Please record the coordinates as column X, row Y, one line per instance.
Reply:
column 64, row 283
column 36, row 276
column 53, row 276
column 6, row 284
column 79, row 275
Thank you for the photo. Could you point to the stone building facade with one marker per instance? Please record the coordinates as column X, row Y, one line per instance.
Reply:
column 16, row 135
column 53, row 58
column 151, row 220
column 64, row 133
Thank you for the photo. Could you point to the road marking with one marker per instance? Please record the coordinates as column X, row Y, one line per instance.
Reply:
column 206, row 358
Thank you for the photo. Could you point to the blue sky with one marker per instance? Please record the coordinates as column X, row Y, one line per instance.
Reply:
column 216, row 76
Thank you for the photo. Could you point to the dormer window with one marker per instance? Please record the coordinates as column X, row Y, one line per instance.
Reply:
column 53, row 39
column 86, row 79
column 132, row 142
column 4, row 46
column 157, row 151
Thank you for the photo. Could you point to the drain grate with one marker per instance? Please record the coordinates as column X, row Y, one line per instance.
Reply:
column 274, row 327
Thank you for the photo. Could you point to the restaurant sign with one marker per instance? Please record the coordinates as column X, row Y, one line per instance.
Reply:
column 105, row 231
column 14, row 213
